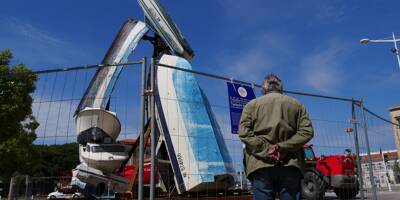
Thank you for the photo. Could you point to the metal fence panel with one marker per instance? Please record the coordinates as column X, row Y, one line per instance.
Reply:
column 338, row 123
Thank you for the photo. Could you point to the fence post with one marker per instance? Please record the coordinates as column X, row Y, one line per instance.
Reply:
column 357, row 147
column 11, row 189
column 153, row 132
column 26, row 186
column 371, row 173
column 142, row 125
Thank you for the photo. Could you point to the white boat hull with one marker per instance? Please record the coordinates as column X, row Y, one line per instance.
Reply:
column 98, row 127
column 196, row 143
column 84, row 176
column 97, row 118
column 107, row 162
column 166, row 28
column 102, row 84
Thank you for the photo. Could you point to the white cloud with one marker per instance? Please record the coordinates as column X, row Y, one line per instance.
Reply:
column 259, row 11
column 35, row 46
column 259, row 54
column 322, row 69
column 57, row 124
column 29, row 31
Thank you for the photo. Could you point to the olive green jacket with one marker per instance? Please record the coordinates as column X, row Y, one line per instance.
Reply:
column 274, row 118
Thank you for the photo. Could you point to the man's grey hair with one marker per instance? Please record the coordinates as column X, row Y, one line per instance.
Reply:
column 272, row 83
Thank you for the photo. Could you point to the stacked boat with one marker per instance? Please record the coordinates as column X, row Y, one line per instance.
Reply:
column 186, row 124
column 100, row 155
column 98, row 130
column 196, row 148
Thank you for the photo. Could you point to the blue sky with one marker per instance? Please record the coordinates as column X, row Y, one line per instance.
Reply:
column 312, row 45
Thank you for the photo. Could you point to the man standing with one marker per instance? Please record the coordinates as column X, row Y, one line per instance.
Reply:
column 274, row 128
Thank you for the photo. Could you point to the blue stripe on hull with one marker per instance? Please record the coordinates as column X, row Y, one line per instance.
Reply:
column 203, row 132
column 169, row 145
column 220, row 139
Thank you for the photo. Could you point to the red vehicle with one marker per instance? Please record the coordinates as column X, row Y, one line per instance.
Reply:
column 340, row 171
column 337, row 172
column 129, row 171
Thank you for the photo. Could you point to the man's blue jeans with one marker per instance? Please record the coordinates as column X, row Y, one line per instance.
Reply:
column 266, row 182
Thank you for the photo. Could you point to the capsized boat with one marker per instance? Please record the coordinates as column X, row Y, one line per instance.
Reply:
column 94, row 125
column 98, row 93
column 93, row 181
column 161, row 23
column 196, row 147
column 98, row 128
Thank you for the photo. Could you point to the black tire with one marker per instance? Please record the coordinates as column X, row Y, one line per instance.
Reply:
column 313, row 187
column 346, row 193
column 52, row 197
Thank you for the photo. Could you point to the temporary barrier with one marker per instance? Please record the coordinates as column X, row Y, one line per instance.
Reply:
column 343, row 129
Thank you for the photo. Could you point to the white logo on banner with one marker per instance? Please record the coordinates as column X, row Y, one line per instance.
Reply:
column 242, row 92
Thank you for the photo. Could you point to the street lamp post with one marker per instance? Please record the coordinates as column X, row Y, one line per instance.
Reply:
column 395, row 50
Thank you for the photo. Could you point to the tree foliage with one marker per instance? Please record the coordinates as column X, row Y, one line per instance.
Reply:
column 56, row 160
column 17, row 124
column 396, row 168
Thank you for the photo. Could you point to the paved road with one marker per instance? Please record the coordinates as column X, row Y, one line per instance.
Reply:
column 395, row 195
column 382, row 195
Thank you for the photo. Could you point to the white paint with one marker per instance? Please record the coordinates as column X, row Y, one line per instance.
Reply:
column 175, row 123
column 131, row 38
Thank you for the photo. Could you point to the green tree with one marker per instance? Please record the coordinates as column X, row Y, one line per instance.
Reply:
column 17, row 124
column 396, row 170
column 56, row 160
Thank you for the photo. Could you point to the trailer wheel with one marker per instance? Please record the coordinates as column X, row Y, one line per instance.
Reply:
column 313, row 187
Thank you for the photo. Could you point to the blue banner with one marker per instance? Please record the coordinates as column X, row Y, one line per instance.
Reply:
column 239, row 96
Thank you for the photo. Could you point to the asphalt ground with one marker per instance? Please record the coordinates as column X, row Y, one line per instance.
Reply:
column 382, row 195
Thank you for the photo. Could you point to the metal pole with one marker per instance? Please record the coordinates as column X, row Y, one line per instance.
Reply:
column 371, row 173
column 153, row 132
column 397, row 50
column 142, row 124
column 386, row 171
column 26, row 186
column 63, row 69
column 11, row 189
column 357, row 146
column 108, row 189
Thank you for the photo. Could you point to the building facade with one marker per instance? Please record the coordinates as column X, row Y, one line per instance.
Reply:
column 395, row 117
column 389, row 159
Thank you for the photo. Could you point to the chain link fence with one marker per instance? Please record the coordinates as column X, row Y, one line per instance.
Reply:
column 384, row 159
column 343, row 129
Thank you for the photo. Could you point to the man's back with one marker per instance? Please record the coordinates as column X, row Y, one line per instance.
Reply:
column 275, row 116
column 274, row 128
column 271, row 119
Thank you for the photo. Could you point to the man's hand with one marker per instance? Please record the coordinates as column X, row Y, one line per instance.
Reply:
column 274, row 152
